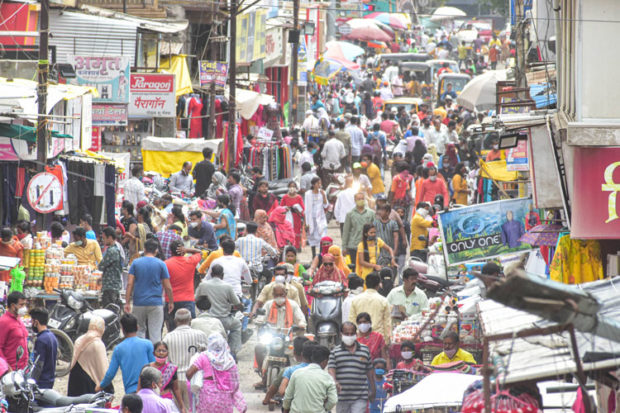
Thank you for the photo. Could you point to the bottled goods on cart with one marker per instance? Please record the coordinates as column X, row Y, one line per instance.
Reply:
column 81, row 277
column 36, row 266
column 66, row 271
column 95, row 281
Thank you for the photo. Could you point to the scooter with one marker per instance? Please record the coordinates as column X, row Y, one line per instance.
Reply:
column 326, row 312
column 72, row 315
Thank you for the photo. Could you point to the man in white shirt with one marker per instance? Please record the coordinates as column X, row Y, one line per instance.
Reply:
column 437, row 135
column 397, row 85
column 357, row 138
column 134, row 188
column 182, row 181
column 333, row 152
column 235, row 268
column 386, row 92
column 310, row 125
column 345, row 202
column 252, row 248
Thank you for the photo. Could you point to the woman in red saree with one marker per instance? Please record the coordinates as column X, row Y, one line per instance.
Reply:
column 294, row 204
column 371, row 339
column 170, row 386
column 329, row 272
column 282, row 228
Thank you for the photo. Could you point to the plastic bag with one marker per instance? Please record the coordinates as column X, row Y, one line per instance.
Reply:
column 18, row 275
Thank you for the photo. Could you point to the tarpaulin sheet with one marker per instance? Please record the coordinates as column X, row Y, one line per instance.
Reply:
column 166, row 155
column 177, row 65
column 497, row 170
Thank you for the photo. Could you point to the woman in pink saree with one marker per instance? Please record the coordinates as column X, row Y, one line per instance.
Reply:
column 220, row 389
column 170, row 387
column 285, row 234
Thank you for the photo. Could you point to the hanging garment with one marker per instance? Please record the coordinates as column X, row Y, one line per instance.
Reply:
column 195, row 124
column 576, row 261
column 110, row 194
column 9, row 204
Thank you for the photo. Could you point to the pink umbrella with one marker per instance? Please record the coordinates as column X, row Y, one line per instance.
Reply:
column 364, row 29
column 396, row 21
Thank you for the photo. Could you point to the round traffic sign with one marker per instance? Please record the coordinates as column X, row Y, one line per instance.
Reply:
column 44, row 193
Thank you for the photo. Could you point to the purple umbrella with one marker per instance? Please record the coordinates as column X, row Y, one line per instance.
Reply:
column 542, row 235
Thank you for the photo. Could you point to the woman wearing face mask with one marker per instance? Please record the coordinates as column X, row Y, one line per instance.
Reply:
column 368, row 251
column 90, row 361
column 408, row 360
column 459, row 185
column 294, row 204
column 170, row 386
column 329, row 272
column 371, row 339
column 432, row 187
column 218, row 185
column 317, row 261
column 220, row 389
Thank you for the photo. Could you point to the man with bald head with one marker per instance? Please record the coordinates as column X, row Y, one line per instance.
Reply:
column 281, row 313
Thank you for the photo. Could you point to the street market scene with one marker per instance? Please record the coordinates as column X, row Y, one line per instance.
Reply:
column 350, row 206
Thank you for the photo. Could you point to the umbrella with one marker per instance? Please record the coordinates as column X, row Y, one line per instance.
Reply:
column 447, row 13
column 435, row 390
column 542, row 235
column 342, row 51
column 479, row 94
column 365, row 29
column 327, row 68
column 397, row 21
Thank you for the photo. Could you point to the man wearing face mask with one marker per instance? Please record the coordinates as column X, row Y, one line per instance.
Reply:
column 282, row 313
column 279, row 273
column 45, row 349
column 13, row 333
column 495, row 154
column 452, row 352
column 420, row 223
column 182, row 181
column 433, row 186
column 201, row 231
column 354, row 225
column 351, row 368
column 148, row 390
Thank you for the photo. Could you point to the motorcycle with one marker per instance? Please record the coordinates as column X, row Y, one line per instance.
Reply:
column 24, row 396
column 72, row 315
column 326, row 314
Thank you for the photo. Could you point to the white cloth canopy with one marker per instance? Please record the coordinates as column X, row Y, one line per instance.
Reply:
column 247, row 101
column 435, row 390
column 447, row 13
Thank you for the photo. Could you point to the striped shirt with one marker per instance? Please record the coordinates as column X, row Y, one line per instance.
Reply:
column 183, row 342
column 351, row 371
column 251, row 249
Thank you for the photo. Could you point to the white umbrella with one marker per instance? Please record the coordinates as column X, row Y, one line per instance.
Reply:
column 447, row 13
column 436, row 390
column 479, row 93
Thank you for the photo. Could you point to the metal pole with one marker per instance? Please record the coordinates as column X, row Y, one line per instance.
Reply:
column 232, row 83
column 294, row 63
column 211, row 128
column 486, row 375
column 42, row 86
column 520, row 40
column 581, row 375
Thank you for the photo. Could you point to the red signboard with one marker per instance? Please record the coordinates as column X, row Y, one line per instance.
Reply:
column 95, row 146
column 596, row 184
column 22, row 17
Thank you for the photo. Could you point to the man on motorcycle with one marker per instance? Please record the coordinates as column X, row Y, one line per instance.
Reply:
column 268, row 292
column 282, row 313
column 254, row 249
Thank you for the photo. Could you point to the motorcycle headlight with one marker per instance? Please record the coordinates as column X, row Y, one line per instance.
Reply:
column 74, row 304
column 277, row 343
column 265, row 339
column 71, row 324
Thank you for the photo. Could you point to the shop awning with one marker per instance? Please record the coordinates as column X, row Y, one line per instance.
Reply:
column 26, row 133
column 247, row 101
column 547, row 356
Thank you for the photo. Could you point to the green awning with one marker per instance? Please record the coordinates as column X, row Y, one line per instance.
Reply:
column 26, row 133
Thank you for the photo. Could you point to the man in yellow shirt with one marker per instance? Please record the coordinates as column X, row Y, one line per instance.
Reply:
column 211, row 257
column 87, row 251
column 451, row 351
column 420, row 223
column 374, row 174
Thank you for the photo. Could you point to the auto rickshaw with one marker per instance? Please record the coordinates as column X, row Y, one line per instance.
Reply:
column 457, row 80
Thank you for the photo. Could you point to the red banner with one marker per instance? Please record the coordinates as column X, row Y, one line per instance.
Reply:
column 596, row 183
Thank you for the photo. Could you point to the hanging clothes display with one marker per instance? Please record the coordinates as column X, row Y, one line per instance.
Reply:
column 576, row 261
column 274, row 159
column 194, row 110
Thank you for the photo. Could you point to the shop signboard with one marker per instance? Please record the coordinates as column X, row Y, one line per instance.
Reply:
column 251, row 27
column 213, row 72
column 596, row 183
column 108, row 74
column 152, row 95
column 96, row 143
column 484, row 231
column 109, row 115
column 516, row 158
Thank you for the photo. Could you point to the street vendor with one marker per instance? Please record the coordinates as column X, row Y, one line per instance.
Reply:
column 452, row 352
column 87, row 251
column 408, row 298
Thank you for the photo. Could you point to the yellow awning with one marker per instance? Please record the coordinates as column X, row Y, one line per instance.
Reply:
column 177, row 65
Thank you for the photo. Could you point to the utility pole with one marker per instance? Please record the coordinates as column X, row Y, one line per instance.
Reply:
column 211, row 129
column 42, row 86
column 294, row 63
column 520, row 46
column 232, row 79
